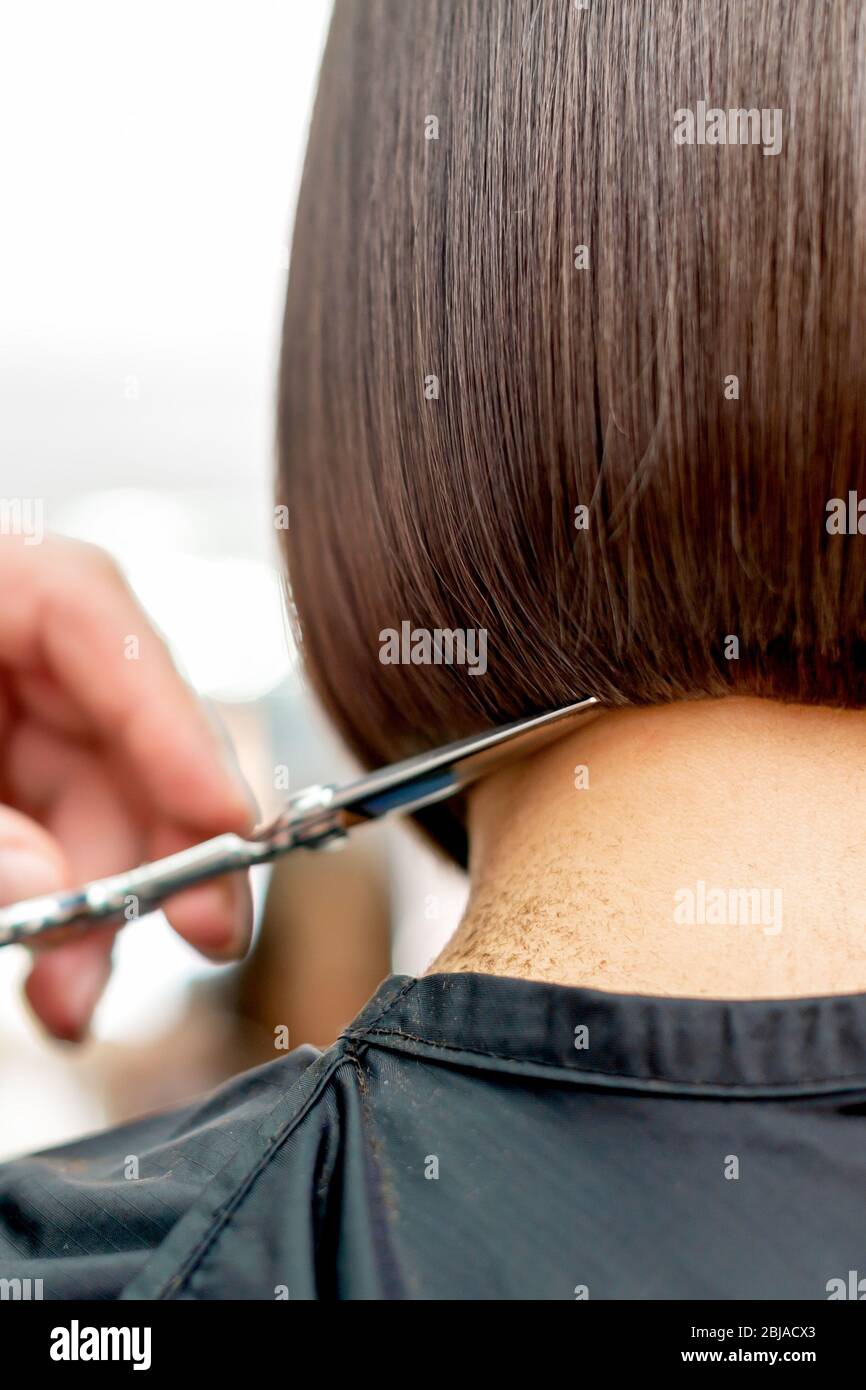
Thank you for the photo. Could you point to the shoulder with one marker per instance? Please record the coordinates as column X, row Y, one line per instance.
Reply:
column 116, row 1196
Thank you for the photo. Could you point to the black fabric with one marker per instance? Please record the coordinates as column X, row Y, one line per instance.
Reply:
column 474, row 1137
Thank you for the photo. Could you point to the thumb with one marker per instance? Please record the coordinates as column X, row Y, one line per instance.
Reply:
column 66, row 979
column 31, row 862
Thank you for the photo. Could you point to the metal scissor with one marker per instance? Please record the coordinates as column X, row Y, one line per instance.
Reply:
column 315, row 817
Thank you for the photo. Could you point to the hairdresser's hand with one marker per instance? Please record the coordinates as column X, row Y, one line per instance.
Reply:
column 106, row 759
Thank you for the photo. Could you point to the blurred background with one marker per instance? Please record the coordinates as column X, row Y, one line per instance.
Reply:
column 149, row 167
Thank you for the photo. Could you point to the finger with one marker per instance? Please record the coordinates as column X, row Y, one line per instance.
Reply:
column 75, row 795
column 70, row 612
column 72, row 791
column 66, row 981
column 31, row 862
column 90, row 816
column 38, row 696
column 215, row 917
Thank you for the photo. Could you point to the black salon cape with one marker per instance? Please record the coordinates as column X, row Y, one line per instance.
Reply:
column 474, row 1137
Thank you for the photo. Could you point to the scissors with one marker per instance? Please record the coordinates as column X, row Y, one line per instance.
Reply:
column 315, row 818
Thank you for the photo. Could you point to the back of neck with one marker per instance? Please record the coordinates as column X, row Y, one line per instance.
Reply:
column 715, row 848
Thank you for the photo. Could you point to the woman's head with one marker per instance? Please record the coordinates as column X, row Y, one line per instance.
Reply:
column 551, row 375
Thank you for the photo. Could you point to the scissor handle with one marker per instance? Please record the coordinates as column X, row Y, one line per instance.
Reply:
column 308, row 820
column 132, row 894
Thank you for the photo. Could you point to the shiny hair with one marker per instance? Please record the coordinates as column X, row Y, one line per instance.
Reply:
column 552, row 372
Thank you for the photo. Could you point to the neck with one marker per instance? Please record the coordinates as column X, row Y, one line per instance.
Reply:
column 713, row 848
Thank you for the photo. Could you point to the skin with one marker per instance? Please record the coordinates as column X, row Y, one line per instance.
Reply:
column 104, row 761
column 577, row 886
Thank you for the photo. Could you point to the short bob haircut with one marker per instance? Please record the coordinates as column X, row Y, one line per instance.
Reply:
column 551, row 373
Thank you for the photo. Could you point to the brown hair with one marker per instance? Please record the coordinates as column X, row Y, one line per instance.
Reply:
column 608, row 386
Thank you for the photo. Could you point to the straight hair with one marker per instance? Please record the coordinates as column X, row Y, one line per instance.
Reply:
column 553, row 371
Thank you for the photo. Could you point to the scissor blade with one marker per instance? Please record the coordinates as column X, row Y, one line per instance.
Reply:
column 430, row 777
